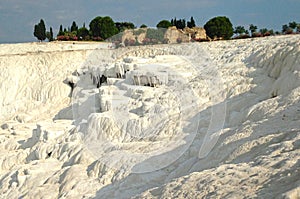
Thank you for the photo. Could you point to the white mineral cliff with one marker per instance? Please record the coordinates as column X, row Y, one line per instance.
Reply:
column 198, row 120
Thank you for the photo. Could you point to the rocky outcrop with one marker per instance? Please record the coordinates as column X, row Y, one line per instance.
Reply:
column 196, row 33
column 174, row 35
column 171, row 35
column 134, row 36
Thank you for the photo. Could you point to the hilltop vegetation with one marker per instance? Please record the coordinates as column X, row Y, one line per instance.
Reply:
column 102, row 28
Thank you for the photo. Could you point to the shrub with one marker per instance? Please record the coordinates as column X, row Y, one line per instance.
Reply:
column 257, row 34
column 156, row 35
column 164, row 24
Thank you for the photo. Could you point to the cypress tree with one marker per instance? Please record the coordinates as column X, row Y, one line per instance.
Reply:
column 191, row 23
column 60, row 32
column 40, row 30
column 74, row 26
column 51, row 34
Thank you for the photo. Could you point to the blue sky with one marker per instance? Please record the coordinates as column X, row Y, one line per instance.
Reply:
column 19, row 16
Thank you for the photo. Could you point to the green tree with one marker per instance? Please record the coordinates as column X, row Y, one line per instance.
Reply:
column 164, row 24
column 121, row 26
column 49, row 35
column 180, row 24
column 60, row 32
column 143, row 26
column 40, row 30
column 263, row 31
column 174, row 21
column 95, row 26
column 298, row 28
column 239, row 30
column 74, row 26
column 252, row 28
column 83, row 33
column 286, row 29
column 219, row 27
column 293, row 25
column 191, row 23
column 103, row 27
column 107, row 28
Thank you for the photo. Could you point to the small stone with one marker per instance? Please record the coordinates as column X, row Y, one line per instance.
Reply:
column 4, row 126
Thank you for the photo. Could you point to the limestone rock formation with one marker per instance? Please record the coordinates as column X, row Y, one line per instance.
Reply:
column 196, row 33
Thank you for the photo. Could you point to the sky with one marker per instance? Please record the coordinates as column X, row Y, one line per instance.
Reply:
column 18, row 17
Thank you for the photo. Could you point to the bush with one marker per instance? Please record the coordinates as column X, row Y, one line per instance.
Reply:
column 156, row 35
column 97, row 39
column 266, row 34
column 257, row 34
column 219, row 28
column 164, row 24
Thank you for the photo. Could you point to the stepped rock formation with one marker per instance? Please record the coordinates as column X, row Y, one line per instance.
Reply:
column 193, row 120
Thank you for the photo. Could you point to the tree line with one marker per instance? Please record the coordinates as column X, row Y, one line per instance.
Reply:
column 102, row 28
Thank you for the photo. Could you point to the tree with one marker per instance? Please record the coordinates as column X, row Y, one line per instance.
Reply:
column 82, row 33
column 107, row 28
column 180, row 24
column 174, row 21
column 263, row 31
column 40, row 30
column 191, row 23
column 60, row 32
column 74, row 27
column 287, row 29
column 219, row 27
column 103, row 27
column 143, row 26
column 49, row 35
column 95, row 26
column 239, row 30
column 121, row 26
column 293, row 25
column 164, row 24
column 252, row 28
